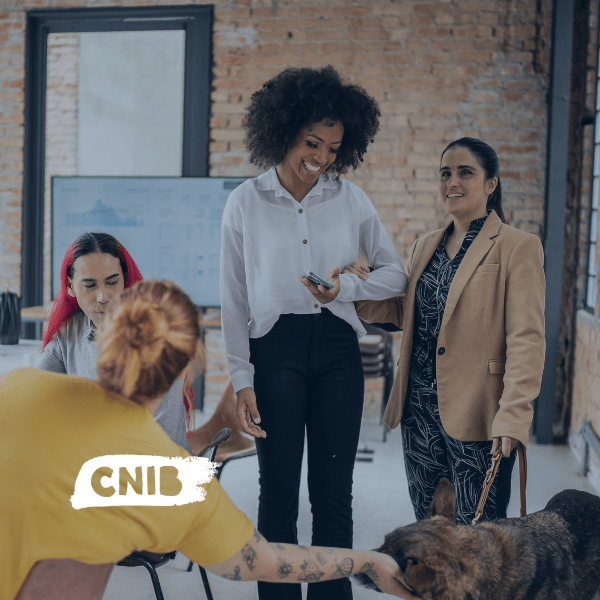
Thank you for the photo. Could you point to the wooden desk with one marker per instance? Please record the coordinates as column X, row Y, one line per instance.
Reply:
column 37, row 315
column 206, row 322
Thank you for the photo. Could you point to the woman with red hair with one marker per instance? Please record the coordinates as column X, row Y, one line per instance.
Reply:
column 94, row 272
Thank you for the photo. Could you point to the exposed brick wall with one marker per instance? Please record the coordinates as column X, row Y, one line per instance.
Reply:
column 12, row 82
column 440, row 70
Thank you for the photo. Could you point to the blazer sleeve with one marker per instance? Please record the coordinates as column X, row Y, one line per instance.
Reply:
column 386, row 311
column 525, row 341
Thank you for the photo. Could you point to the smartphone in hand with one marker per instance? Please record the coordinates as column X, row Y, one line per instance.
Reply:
column 318, row 280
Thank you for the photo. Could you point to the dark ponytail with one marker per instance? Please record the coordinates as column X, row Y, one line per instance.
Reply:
column 488, row 161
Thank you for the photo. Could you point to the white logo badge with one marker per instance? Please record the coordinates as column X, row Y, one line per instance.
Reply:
column 132, row 480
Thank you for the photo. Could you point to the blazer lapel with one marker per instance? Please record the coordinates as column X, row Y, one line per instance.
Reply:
column 422, row 257
column 479, row 248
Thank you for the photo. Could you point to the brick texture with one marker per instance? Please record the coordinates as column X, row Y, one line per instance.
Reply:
column 440, row 70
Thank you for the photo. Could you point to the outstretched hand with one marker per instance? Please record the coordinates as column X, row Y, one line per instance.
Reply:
column 322, row 294
column 389, row 578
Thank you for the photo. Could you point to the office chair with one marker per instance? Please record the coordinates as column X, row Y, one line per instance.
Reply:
column 210, row 452
column 151, row 560
column 378, row 361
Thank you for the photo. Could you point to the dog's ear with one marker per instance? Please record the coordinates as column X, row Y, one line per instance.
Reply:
column 444, row 501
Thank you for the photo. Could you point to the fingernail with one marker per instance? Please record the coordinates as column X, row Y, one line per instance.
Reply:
column 257, row 420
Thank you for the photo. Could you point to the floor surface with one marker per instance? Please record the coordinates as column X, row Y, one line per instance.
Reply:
column 381, row 503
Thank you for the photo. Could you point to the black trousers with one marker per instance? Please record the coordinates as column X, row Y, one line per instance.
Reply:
column 308, row 380
column 430, row 454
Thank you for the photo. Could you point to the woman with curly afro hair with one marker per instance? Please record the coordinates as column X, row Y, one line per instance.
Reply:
column 292, row 346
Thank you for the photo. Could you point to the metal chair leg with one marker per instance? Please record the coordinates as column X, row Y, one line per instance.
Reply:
column 154, row 576
column 207, row 589
column 209, row 595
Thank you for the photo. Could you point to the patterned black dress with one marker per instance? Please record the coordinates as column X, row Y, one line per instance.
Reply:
column 429, row 452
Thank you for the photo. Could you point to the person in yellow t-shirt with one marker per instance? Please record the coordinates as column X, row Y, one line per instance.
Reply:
column 151, row 335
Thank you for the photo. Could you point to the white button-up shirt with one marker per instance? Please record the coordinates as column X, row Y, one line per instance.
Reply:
column 269, row 241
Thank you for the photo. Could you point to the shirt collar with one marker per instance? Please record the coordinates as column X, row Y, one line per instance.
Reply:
column 89, row 332
column 268, row 181
column 474, row 226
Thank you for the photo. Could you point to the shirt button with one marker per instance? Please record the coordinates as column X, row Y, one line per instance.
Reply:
column 441, row 350
column 300, row 211
column 305, row 241
column 316, row 306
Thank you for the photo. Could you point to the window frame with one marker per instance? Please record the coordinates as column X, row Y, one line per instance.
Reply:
column 196, row 21
column 591, row 272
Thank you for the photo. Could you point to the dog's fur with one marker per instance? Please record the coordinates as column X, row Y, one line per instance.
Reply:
column 553, row 554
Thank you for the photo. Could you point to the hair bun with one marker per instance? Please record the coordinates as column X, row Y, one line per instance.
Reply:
column 145, row 330
column 149, row 341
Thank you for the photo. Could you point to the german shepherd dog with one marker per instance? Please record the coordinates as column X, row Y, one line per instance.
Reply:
column 553, row 554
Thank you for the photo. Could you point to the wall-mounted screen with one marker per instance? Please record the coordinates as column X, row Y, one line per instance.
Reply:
column 170, row 225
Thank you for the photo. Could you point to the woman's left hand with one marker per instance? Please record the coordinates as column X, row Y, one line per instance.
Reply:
column 322, row 294
column 508, row 445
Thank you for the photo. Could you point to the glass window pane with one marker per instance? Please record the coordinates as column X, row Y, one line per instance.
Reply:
column 594, row 227
column 596, row 161
column 592, row 260
column 131, row 103
column 114, row 106
column 591, row 292
column 595, row 193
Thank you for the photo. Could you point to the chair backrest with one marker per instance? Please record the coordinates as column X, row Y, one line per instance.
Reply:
column 65, row 579
column 376, row 352
column 220, row 438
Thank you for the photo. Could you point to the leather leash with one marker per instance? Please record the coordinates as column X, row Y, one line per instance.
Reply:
column 491, row 474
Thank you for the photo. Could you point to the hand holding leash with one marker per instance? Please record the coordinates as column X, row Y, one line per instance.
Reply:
column 491, row 473
column 508, row 445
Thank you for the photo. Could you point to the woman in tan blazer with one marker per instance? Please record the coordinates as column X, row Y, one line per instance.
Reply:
column 472, row 352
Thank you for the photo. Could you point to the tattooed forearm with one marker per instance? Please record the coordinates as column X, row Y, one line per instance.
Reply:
column 235, row 576
column 257, row 535
column 249, row 556
column 310, row 572
column 343, row 569
column 321, row 558
column 368, row 569
column 279, row 546
column 283, row 568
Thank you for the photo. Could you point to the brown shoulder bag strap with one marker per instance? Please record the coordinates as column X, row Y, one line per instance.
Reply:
column 491, row 474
